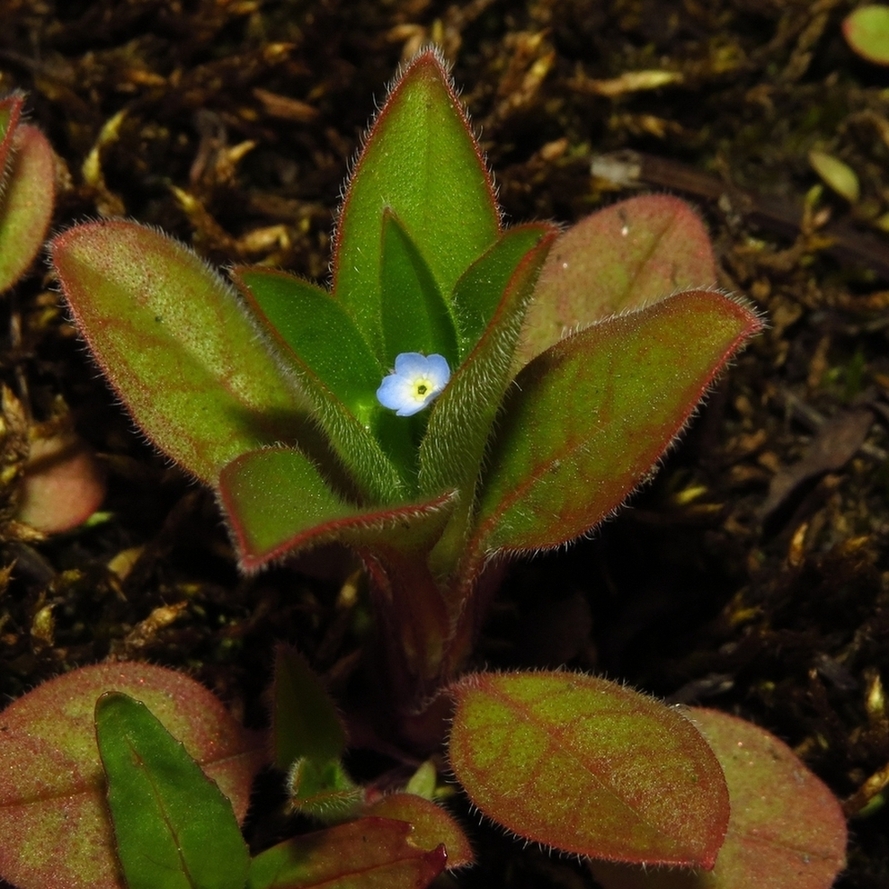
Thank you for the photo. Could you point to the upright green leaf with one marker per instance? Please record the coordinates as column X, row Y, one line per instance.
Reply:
column 421, row 162
column 414, row 313
column 316, row 338
column 174, row 828
column 590, row 417
column 304, row 718
column 277, row 503
column 589, row 767
column 176, row 344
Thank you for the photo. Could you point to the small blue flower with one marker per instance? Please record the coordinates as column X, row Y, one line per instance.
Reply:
column 417, row 380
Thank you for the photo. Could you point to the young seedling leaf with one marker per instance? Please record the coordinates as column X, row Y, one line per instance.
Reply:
column 176, row 344
column 173, row 826
column 53, row 817
column 277, row 503
column 432, row 825
column 589, row 418
column 26, row 202
column 866, row 30
column 305, row 722
column 462, row 417
column 421, row 162
column 63, row 483
column 316, row 338
column 322, row 789
column 589, row 767
column 786, row 830
column 414, row 314
column 370, row 853
column 619, row 259
column 479, row 292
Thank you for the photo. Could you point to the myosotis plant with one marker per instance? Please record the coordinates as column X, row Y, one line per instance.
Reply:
column 462, row 393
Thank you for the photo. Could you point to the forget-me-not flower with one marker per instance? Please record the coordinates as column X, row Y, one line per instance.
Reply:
column 416, row 381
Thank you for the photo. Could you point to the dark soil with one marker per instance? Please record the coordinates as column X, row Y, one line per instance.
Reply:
column 752, row 575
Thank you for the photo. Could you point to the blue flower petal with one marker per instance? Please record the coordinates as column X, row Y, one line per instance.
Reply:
column 416, row 381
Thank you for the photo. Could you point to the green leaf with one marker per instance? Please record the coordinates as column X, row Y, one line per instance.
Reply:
column 462, row 416
column 591, row 417
column 26, row 202
column 277, row 503
column 53, row 815
column 322, row 789
column 414, row 314
column 867, row 31
column 589, row 767
column 786, row 830
column 305, row 721
column 315, row 337
column 421, row 162
column 176, row 344
column 619, row 259
column 480, row 289
column 370, row 853
column 173, row 826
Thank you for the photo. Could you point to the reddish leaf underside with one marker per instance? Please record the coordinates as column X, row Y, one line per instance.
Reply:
column 63, row 484
column 589, row 767
column 370, row 853
column 590, row 417
column 618, row 259
column 177, row 345
column 53, row 821
column 432, row 825
column 26, row 203
column 786, row 829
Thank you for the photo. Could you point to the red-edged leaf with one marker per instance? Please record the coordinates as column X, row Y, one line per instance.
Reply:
column 277, row 503
column 590, row 417
column 432, row 825
column 370, row 853
column 866, row 29
column 589, row 767
column 55, row 827
column 177, row 344
column 621, row 258
column 26, row 202
column 786, row 829
column 420, row 162
column 63, row 484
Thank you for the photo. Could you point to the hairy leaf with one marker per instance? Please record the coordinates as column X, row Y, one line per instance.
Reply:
column 173, row 826
column 370, row 853
column 53, row 820
column 26, row 201
column 414, row 314
column 786, row 829
column 421, row 162
column 589, row 767
column 619, row 259
column 277, row 503
column 315, row 337
column 176, row 344
column 589, row 418
column 432, row 825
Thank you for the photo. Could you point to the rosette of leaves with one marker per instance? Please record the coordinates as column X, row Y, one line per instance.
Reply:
column 267, row 392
